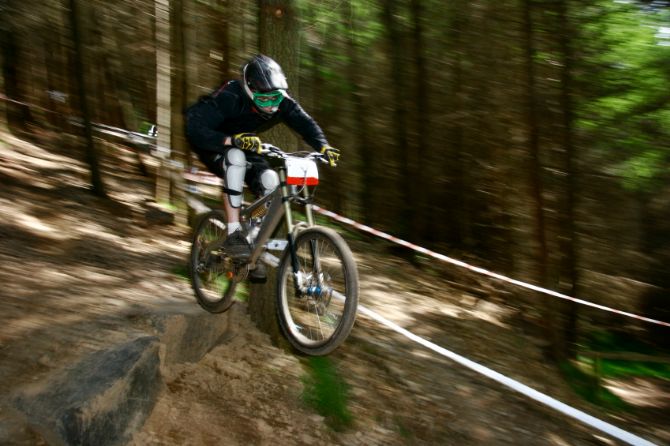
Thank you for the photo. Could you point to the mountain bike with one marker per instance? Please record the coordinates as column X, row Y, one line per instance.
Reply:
column 317, row 278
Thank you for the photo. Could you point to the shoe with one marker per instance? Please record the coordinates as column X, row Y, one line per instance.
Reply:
column 236, row 246
column 258, row 274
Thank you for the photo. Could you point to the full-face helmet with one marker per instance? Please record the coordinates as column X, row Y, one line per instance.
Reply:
column 265, row 83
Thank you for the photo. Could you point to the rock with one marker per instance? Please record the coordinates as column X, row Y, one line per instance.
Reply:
column 157, row 215
column 188, row 332
column 101, row 400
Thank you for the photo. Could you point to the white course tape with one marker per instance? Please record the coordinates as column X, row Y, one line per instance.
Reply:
column 514, row 385
column 479, row 270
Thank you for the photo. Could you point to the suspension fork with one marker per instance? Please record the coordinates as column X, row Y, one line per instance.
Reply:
column 286, row 201
column 313, row 244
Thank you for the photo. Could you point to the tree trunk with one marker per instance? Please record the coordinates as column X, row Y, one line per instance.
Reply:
column 18, row 114
column 179, row 15
column 56, row 75
column 453, row 224
column 221, row 29
column 163, row 96
column 92, row 157
column 402, row 155
column 364, row 140
column 419, row 177
column 536, row 183
column 277, row 38
column 4, row 121
column 118, row 75
column 568, row 337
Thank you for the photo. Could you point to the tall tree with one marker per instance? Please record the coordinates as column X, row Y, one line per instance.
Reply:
column 278, row 37
column 364, row 141
column 421, row 182
column 567, row 338
column 535, row 175
column 163, row 95
column 404, row 162
column 14, row 86
column 3, row 104
column 455, row 226
column 179, row 14
column 92, row 157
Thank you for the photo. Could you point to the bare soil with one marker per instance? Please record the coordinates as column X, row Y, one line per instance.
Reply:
column 78, row 270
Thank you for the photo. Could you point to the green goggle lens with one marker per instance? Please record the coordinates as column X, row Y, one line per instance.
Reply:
column 271, row 99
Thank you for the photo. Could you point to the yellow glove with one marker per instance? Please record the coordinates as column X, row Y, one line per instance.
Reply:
column 332, row 153
column 247, row 141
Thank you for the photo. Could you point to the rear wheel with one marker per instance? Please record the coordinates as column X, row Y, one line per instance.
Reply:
column 317, row 305
column 214, row 276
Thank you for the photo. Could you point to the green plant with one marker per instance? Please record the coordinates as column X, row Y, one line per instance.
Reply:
column 168, row 206
column 615, row 342
column 588, row 386
column 181, row 271
column 327, row 392
column 242, row 292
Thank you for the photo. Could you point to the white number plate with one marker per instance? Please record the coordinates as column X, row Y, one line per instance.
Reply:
column 301, row 171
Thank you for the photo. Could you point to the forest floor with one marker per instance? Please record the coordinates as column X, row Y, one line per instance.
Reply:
column 76, row 270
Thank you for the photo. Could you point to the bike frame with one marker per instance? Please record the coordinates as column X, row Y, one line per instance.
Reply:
column 280, row 207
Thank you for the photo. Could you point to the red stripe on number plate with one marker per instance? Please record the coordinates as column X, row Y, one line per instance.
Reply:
column 299, row 181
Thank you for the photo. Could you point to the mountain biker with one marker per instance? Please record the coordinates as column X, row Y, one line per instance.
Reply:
column 221, row 128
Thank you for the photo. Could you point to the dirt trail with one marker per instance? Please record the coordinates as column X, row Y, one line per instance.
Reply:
column 78, row 273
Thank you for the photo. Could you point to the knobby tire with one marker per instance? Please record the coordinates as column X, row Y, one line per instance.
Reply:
column 317, row 323
column 209, row 272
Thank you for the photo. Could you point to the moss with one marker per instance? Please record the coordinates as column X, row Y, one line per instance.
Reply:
column 326, row 392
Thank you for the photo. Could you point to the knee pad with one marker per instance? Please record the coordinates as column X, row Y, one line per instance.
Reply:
column 235, row 167
column 269, row 181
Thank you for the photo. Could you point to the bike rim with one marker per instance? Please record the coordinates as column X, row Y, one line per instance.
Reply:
column 313, row 318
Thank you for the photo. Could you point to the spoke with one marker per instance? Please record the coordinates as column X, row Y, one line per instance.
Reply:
column 318, row 320
column 339, row 296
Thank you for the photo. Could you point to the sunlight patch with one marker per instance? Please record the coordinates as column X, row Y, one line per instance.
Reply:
column 490, row 312
column 639, row 392
column 33, row 223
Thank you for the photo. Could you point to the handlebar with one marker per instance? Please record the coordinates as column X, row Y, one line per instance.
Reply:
column 275, row 152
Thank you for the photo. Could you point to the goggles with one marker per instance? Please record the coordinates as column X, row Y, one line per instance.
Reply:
column 270, row 99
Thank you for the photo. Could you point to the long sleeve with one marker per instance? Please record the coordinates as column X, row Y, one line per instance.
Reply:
column 302, row 123
column 203, row 121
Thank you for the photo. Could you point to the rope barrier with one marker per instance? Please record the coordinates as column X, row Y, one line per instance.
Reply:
column 147, row 140
column 523, row 389
column 479, row 270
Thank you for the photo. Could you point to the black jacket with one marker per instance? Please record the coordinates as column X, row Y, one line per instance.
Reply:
column 229, row 111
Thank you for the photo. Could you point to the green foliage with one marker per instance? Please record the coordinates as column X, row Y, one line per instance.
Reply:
column 611, row 342
column 145, row 127
column 242, row 292
column 616, row 368
column 356, row 18
column 168, row 206
column 587, row 386
column 585, row 375
column 624, row 110
column 327, row 392
column 181, row 271
column 643, row 170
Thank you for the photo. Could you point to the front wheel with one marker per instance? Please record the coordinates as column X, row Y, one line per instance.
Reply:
column 317, row 304
column 214, row 276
